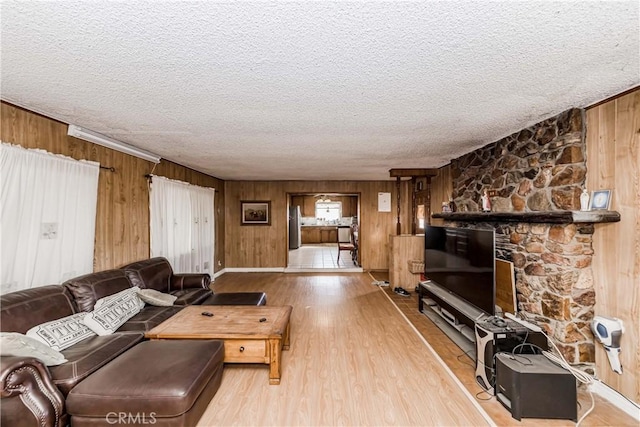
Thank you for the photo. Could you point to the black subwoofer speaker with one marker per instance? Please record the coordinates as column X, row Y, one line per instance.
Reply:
column 492, row 339
column 531, row 386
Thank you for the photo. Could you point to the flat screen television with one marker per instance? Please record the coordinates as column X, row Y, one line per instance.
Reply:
column 462, row 260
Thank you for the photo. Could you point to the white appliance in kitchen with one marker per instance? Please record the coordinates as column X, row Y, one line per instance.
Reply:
column 295, row 221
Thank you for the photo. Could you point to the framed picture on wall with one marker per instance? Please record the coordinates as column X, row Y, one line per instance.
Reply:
column 600, row 200
column 255, row 212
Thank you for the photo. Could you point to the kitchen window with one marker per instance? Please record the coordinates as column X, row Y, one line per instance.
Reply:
column 329, row 211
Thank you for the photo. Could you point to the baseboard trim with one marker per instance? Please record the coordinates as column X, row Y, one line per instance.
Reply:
column 323, row 270
column 254, row 270
column 286, row 270
column 605, row 391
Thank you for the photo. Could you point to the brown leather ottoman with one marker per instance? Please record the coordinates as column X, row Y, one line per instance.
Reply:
column 160, row 383
column 237, row 298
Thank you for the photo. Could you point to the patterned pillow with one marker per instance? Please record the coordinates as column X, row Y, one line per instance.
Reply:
column 133, row 291
column 61, row 333
column 15, row 344
column 153, row 297
column 113, row 311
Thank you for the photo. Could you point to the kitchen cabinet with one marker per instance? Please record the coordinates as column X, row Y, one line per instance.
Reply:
column 309, row 206
column 310, row 235
column 350, row 206
column 319, row 234
column 346, row 209
column 329, row 235
column 298, row 201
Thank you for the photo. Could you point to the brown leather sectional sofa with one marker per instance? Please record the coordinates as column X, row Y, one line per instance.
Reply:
column 118, row 377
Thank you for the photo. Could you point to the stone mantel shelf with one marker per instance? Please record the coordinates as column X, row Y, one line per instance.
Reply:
column 549, row 217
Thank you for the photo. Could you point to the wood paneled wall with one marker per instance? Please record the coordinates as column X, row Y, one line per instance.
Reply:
column 122, row 223
column 441, row 190
column 613, row 162
column 267, row 246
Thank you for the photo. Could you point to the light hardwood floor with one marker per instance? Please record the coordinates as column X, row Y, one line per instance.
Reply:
column 356, row 360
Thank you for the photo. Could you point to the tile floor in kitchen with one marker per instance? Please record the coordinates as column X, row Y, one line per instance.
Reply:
column 320, row 255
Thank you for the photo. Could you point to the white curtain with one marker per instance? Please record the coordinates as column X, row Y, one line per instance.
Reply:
column 182, row 228
column 48, row 217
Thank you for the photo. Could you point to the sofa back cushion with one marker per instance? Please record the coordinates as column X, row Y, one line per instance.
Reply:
column 22, row 310
column 88, row 289
column 154, row 273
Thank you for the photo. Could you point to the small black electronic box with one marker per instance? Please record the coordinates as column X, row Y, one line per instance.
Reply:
column 495, row 335
column 532, row 386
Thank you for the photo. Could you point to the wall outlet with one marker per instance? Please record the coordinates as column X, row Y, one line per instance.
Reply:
column 492, row 193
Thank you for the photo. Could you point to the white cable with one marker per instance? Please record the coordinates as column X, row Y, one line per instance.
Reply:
column 593, row 405
column 581, row 376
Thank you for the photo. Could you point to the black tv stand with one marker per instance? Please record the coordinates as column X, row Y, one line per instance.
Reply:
column 453, row 315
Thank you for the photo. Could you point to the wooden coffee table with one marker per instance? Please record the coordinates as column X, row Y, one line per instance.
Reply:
column 246, row 338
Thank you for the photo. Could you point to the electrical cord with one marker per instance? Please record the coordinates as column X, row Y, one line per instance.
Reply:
column 534, row 348
column 466, row 353
column 558, row 359
column 483, row 392
column 518, row 358
column 581, row 376
column 492, row 369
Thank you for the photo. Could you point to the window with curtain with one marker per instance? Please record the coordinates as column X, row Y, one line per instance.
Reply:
column 48, row 216
column 329, row 211
column 182, row 225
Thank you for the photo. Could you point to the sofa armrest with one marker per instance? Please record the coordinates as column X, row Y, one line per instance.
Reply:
column 187, row 281
column 28, row 393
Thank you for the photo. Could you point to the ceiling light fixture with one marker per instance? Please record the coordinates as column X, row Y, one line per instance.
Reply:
column 105, row 141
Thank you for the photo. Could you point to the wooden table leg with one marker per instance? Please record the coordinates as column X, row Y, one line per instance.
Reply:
column 285, row 337
column 275, row 345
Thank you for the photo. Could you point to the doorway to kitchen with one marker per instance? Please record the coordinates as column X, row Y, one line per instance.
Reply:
column 313, row 232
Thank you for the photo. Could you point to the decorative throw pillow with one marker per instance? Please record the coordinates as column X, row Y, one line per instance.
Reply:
column 153, row 297
column 62, row 333
column 113, row 311
column 133, row 291
column 15, row 344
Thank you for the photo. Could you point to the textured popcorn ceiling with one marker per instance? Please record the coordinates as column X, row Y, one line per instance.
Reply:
column 323, row 90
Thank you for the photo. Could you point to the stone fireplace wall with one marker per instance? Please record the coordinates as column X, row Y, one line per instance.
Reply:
column 540, row 168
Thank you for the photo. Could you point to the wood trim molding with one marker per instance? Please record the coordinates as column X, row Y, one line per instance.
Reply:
column 549, row 217
column 611, row 98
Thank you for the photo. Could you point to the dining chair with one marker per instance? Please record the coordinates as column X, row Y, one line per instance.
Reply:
column 356, row 243
column 345, row 242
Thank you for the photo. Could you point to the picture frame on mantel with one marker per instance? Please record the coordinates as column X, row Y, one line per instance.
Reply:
column 600, row 200
column 255, row 212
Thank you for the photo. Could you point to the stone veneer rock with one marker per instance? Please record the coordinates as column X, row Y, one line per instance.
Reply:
column 540, row 168
column 537, row 169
